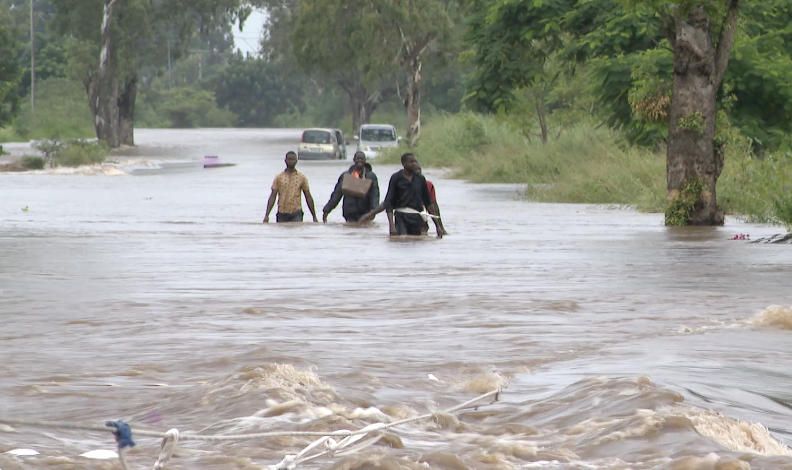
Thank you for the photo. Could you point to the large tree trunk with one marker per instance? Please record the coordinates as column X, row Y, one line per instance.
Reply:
column 412, row 101
column 358, row 96
column 362, row 102
column 694, row 162
column 113, row 110
column 126, row 109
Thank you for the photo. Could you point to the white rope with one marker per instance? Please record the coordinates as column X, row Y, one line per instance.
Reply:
column 424, row 215
column 353, row 441
column 345, row 447
column 232, row 437
column 166, row 452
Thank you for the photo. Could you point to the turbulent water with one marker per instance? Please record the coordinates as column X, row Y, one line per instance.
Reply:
column 150, row 291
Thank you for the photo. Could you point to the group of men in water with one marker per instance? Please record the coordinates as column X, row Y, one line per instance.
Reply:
column 409, row 203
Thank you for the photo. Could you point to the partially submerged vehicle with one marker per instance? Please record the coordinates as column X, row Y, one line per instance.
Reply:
column 321, row 144
column 374, row 137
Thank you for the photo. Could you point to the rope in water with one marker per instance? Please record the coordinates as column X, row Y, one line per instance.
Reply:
column 343, row 447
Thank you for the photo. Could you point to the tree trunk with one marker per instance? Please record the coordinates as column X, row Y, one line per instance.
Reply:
column 694, row 162
column 412, row 69
column 102, row 86
column 126, row 109
column 358, row 96
column 541, row 117
column 367, row 108
column 361, row 101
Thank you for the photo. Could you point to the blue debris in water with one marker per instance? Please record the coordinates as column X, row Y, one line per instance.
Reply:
column 123, row 433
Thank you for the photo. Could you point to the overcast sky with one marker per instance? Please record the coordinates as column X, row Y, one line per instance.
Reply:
column 247, row 40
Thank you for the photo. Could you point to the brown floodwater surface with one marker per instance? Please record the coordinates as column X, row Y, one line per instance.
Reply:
column 157, row 296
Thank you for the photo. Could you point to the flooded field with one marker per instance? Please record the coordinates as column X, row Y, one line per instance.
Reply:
column 152, row 292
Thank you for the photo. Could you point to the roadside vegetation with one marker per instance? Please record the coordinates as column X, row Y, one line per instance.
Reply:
column 594, row 164
column 576, row 99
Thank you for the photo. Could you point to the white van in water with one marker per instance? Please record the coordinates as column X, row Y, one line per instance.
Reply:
column 374, row 137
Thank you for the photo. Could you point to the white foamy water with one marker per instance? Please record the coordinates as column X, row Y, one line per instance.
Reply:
column 156, row 296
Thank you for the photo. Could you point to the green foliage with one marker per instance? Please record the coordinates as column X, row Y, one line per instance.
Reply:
column 586, row 164
column 61, row 112
column 257, row 92
column 630, row 59
column 80, row 152
column 32, row 162
column 692, row 122
column 10, row 72
column 750, row 185
column 782, row 210
column 71, row 153
column 759, row 72
column 680, row 209
column 331, row 37
column 187, row 107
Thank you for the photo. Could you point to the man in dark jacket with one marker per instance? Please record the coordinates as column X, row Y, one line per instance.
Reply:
column 407, row 197
column 354, row 207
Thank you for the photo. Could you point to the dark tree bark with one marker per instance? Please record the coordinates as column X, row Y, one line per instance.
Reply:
column 126, row 110
column 362, row 103
column 102, row 87
column 694, row 161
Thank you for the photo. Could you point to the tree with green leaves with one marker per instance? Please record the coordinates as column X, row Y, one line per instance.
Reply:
column 113, row 39
column 256, row 91
column 10, row 72
column 408, row 29
column 510, row 36
column 330, row 40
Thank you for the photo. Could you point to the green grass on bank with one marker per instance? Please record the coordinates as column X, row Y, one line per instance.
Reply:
column 61, row 113
column 595, row 165
column 586, row 164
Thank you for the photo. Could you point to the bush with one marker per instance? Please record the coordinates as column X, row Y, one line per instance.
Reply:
column 782, row 211
column 72, row 153
column 586, row 164
column 751, row 186
column 61, row 112
column 32, row 162
column 190, row 107
column 81, row 152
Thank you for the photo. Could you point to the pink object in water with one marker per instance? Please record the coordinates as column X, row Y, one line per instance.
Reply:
column 212, row 161
column 741, row 236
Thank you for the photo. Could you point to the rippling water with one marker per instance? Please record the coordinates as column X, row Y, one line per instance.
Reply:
column 157, row 296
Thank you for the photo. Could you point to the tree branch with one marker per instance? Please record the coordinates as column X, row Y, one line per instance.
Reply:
column 649, row 35
column 668, row 32
column 726, row 41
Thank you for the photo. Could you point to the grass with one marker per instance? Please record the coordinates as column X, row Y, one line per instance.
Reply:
column 595, row 165
column 587, row 164
column 61, row 113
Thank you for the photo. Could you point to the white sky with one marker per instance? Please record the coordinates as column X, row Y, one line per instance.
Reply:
column 247, row 40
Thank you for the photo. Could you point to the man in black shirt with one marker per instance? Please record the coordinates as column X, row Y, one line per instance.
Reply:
column 407, row 196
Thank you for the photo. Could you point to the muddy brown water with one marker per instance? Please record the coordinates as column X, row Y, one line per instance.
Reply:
column 159, row 297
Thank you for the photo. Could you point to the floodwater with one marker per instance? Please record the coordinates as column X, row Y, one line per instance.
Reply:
column 157, row 296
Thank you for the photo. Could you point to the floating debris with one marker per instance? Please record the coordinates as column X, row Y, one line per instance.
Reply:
column 777, row 238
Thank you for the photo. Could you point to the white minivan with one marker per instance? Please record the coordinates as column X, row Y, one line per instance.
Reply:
column 374, row 137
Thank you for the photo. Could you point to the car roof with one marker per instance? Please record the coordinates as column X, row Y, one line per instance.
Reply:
column 318, row 129
column 384, row 126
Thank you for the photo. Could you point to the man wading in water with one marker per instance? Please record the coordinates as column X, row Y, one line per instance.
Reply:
column 354, row 207
column 407, row 195
column 287, row 187
column 433, row 195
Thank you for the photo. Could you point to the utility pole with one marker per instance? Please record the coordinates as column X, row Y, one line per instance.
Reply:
column 32, row 62
column 169, row 66
column 200, row 53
